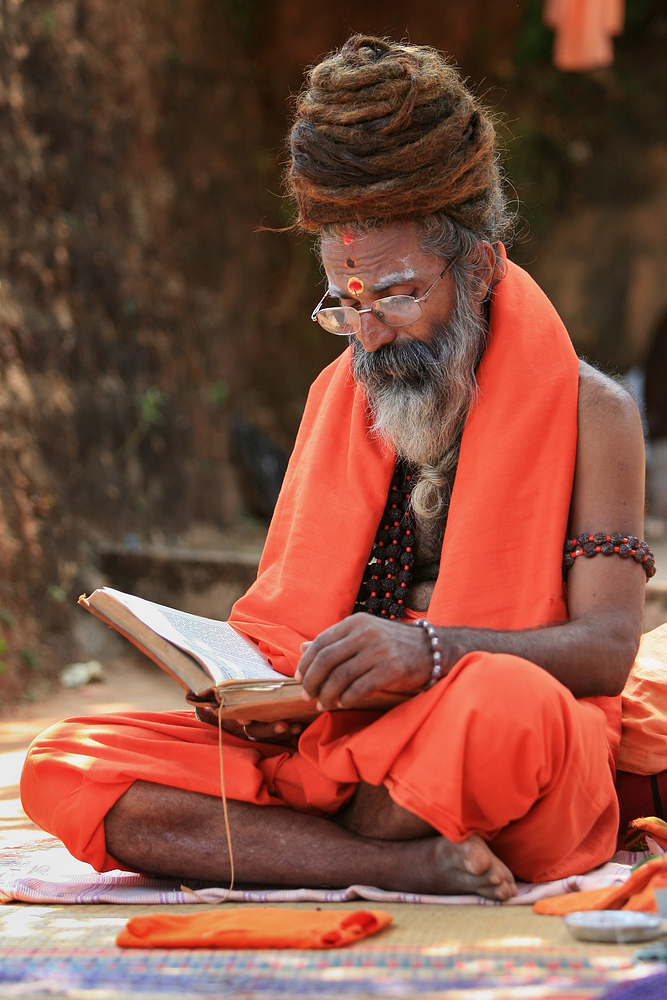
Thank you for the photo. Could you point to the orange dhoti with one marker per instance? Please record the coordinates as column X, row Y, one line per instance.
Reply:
column 498, row 748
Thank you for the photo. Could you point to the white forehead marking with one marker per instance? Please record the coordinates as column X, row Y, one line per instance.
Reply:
column 399, row 277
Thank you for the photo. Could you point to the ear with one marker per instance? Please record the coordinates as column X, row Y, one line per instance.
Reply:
column 487, row 269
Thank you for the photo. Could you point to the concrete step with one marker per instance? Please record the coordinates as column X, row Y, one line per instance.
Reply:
column 195, row 580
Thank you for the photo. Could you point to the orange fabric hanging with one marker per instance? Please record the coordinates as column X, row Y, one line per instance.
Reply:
column 513, row 482
column 584, row 31
column 253, row 927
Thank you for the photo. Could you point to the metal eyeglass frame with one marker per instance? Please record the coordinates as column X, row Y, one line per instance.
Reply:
column 358, row 312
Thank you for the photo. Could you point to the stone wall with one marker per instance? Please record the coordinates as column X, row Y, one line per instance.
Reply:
column 139, row 307
column 125, row 236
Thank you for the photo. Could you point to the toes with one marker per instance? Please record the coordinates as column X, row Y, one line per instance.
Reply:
column 504, row 882
column 471, row 866
column 477, row 858
column 502, row 892
column 508, row 877
column 495, row 876
column 505, row 891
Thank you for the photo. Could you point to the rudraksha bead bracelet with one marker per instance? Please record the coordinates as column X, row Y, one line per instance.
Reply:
column 625, row 546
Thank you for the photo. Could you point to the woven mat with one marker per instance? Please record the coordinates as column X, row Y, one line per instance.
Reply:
column 66, row 952
column 653, row 988
column 104, row 974
column 49, row 874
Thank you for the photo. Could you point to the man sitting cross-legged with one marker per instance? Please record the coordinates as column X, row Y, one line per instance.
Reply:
column 442, row 463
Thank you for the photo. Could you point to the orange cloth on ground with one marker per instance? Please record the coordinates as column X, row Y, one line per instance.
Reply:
column 498, row 747
column 635, row 894
column 643, row 747
column 253, row 927
column 584, row 30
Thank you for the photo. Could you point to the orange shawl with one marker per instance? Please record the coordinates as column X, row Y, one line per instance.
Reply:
column 502, row 550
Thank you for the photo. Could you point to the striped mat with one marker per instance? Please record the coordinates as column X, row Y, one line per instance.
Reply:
column 51, row 875
column 106, row 974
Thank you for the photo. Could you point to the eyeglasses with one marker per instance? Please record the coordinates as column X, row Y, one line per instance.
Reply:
column 394, row 310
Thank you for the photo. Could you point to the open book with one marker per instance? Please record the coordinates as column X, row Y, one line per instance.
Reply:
column 214, row 663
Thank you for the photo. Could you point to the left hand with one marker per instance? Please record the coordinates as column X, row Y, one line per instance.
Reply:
column 361, row 655
column 283, row 733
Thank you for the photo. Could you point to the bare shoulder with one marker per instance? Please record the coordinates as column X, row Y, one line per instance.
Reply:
column 605, row 405
column 609, row 473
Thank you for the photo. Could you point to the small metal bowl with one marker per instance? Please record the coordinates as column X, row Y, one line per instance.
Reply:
column 619, row 926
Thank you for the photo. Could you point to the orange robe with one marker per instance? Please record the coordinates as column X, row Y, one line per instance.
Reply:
column 498, row 747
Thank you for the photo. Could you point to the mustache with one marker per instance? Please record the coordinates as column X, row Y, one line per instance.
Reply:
column 409, row 362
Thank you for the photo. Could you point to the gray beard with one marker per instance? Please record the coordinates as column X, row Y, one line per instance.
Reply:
column 419, row 394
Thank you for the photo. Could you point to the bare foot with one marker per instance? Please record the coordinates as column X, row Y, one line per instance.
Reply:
column 174, row 832
column 441, row 867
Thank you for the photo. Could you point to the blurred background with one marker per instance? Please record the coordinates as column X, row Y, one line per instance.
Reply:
column 156, row 348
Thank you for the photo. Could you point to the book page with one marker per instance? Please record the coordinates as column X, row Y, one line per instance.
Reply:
column 224, row 653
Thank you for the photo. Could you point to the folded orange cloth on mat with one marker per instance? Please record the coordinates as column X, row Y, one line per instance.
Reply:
column 635, row 894
column 252, row 927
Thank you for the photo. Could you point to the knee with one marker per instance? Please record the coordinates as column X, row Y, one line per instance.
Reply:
column 56, row 769
column 61, row 795
column 37, row 756
column 517, row 715
column 508, row 690
column 41, row 783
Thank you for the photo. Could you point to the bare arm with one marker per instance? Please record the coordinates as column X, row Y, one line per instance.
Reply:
column 591, row 654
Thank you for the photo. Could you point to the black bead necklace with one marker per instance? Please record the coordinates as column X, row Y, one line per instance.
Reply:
column 388, row 575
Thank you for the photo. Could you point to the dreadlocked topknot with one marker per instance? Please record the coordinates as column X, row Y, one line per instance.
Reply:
column 388, row 131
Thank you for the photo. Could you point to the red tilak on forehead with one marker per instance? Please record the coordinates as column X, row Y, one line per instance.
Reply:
column 347, row 239
column 355, row 286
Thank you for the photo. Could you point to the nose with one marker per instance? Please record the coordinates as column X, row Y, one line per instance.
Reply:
column 374, row 333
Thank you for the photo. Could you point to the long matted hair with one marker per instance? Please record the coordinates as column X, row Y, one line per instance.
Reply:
column 388, row 131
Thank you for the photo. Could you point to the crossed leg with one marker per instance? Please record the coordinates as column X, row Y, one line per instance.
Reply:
column 168, row 831
column 497, row 754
